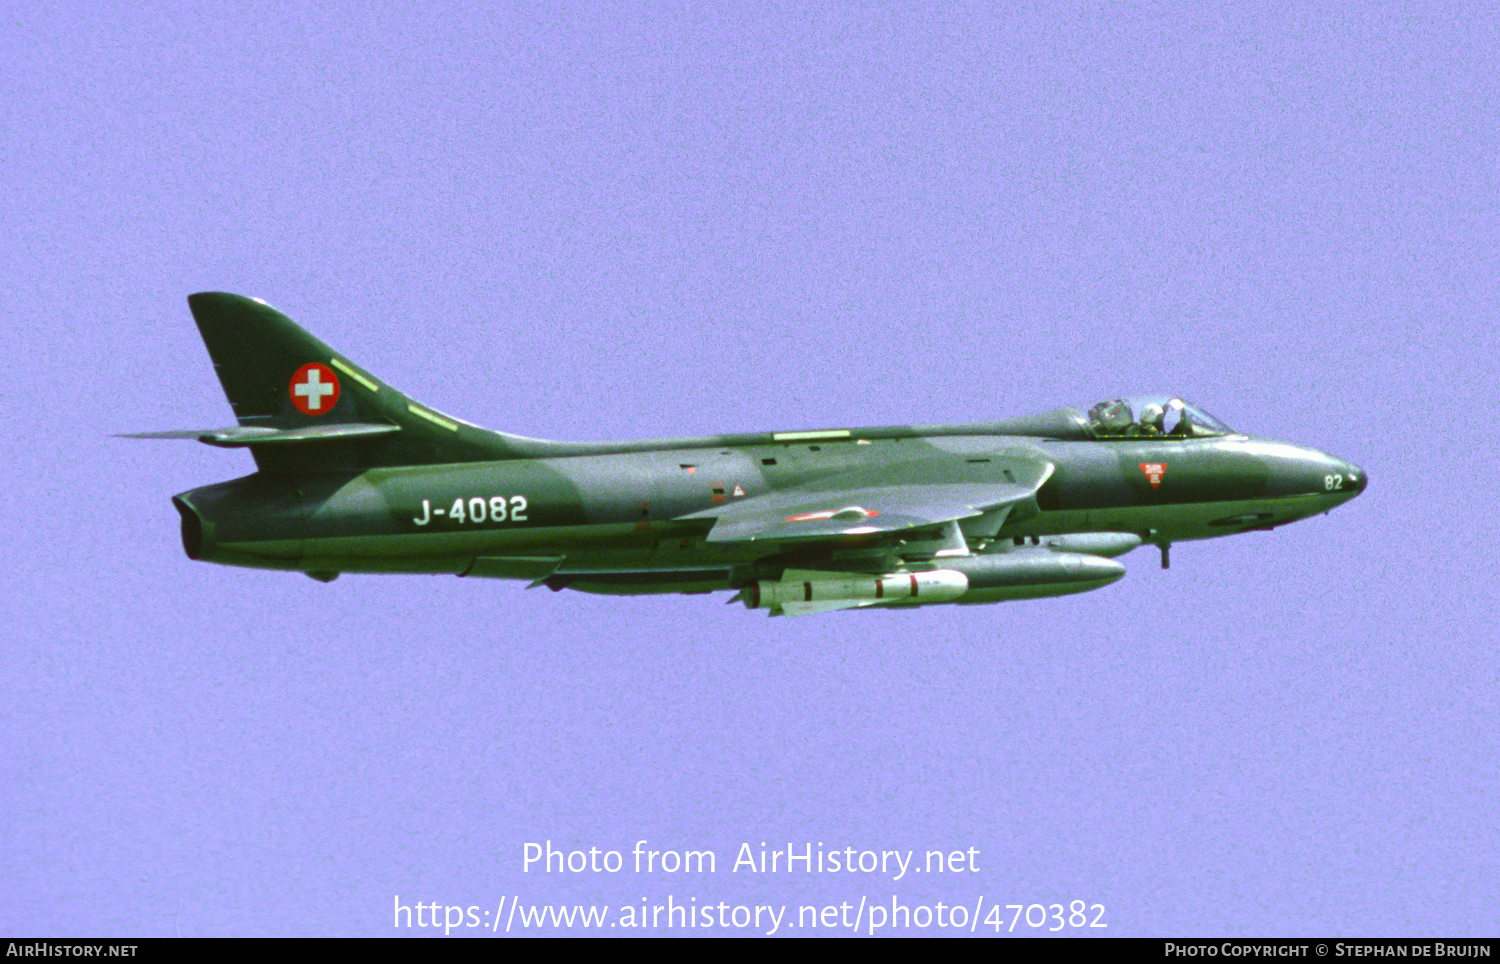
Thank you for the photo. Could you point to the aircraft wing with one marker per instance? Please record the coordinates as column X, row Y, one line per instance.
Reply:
column 894, row 499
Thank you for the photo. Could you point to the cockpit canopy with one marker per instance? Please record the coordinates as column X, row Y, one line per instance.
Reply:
column 1153, row 415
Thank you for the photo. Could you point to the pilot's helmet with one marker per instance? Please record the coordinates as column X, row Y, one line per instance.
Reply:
column 1151, row 419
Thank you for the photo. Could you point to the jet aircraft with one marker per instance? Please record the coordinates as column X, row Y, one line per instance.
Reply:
column 353, row 476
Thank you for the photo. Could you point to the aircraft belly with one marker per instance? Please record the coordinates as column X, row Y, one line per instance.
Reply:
column 550, row 540
column 619, row 547
column 259, row 554
column 1204, row 520
column 647, row 583
column 1050, row 523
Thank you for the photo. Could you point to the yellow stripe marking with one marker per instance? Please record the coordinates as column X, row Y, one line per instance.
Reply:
column 358, row 376
column 808, row 436
column 432, row 417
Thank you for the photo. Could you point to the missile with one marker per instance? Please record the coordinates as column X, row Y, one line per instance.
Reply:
column 802, row 591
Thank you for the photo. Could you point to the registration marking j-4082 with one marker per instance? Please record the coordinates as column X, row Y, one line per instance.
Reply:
column 476, row 510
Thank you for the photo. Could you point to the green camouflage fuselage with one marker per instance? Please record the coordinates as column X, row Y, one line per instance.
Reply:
column 592, row 515
column 354, row 476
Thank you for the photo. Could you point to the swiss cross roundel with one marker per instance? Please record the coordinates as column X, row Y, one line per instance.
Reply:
column 314, row 389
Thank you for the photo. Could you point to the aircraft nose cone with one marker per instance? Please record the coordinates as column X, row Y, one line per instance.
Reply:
column 1357, row 477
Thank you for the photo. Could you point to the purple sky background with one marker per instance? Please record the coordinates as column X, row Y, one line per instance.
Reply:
column 647, row 220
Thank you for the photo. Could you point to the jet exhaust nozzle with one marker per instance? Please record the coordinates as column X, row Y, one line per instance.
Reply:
column 192, row 528
column 242, row 522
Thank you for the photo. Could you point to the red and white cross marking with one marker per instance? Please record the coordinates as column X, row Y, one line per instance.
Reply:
column 1154, row 472
column 314, row 389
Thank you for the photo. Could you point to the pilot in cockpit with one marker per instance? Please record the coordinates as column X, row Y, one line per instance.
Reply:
column 1112, row 418
column 1151, row 420
column 1160, row 416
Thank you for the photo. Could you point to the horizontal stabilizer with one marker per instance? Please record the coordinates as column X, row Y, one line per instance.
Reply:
column 241, row 436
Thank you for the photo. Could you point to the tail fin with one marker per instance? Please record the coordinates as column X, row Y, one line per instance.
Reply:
column 302, row 407
column 257, row 353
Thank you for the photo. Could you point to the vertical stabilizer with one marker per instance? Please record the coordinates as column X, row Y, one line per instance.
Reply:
column 277, row 376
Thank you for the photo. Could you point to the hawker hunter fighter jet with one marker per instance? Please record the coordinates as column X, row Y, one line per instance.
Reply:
column 353, row 476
